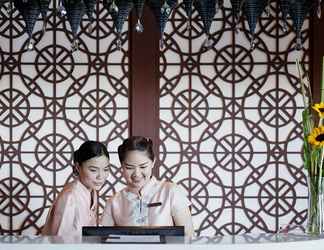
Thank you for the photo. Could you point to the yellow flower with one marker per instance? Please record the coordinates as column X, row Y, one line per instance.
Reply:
column 316, row 138
column 319, row 107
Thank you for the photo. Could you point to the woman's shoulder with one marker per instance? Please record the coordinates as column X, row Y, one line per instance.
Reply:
column 67, row 193
column 164, row 188
column 176, row 194
column 172, row 188
column 116, row 196
column 167, row 184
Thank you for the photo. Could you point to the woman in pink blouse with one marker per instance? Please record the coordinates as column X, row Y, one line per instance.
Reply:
column 145, row 201
column 76, row 205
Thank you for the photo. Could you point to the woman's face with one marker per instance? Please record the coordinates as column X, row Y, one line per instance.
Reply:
column 137, row 169
column 94, row 172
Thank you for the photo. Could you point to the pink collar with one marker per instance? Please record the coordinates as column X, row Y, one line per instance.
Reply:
column 147, row 189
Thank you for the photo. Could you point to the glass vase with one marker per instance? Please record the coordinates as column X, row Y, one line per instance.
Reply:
column 315, row 205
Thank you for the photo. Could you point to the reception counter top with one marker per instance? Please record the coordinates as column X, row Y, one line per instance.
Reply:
column 247, row 241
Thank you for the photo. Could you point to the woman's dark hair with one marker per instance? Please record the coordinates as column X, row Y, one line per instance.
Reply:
column 88, row 150
column 136, row 143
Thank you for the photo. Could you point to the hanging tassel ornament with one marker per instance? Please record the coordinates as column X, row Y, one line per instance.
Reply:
column 319, row 9
column 253, row 10
column 30, row 11
column 284, row 7
column 90, row 28
column 237, row 6
column 61, row 11
column 299, row 42
column 298, row 10
column 139, row 26
column 267, row 8
column 74, row 11
column 238, row 18
column 44, row 7
column 139, row 6
column 124, row 7
column 240, row 13
column 218, row 5
column 162, row 43
column 188, row 9
column 113, row 8
column 44, row 27
column 188, row 25
column 208, row 43
column 75, row 45
column 9, row 8
column 252, row 43
column 119, row 43
column 207, row 10
column 162, row 12
column 284, row 26
column 30, row 45
column 165, row 9
column 90, row 8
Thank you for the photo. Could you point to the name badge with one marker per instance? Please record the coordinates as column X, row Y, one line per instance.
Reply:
column 154, row 204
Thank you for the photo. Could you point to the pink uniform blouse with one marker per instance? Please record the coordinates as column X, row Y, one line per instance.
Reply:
column 71, row 210
column 156, row 204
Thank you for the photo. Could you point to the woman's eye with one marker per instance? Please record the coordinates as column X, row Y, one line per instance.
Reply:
column 106, row 170
column 93, row 170
column 143, row 167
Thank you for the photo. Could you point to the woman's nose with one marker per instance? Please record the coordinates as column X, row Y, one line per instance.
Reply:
column 100, row 175
column 137, row 171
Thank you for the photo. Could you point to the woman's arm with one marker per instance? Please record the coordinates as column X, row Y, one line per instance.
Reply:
column 183, row 218
column 180, row 210
column 60, row 220
column 107, row 216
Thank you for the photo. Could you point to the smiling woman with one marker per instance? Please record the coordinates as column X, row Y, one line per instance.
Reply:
column 145, row 201
column 76, row 205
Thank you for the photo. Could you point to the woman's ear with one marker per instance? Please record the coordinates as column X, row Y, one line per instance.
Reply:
column 76, row 169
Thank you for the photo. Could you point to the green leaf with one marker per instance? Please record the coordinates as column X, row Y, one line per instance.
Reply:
column 308, row 123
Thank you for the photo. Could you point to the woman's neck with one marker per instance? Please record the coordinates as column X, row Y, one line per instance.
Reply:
column 138, row 190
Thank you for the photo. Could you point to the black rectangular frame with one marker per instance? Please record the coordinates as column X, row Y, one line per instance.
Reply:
column 168, row 234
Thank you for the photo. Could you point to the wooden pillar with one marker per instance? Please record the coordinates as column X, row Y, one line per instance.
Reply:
column 144, row 75
column 316, row 54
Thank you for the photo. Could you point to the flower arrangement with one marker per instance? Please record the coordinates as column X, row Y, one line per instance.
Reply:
column 313, row 153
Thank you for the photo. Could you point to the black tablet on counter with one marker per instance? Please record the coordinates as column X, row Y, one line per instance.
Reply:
column 134, row 235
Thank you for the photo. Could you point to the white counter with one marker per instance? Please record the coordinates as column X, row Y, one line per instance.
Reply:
column 246, row 242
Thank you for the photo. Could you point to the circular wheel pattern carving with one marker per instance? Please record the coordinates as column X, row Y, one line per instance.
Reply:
column 19, row 196
column 16, row 28
column 105, row 111
column 20, row 108
column 58, row 72
column 237, row 152
column 16, row 199
column 57, row 147
column 14, row 106
column 189, row 108
column 231, row 62
column 277, row 108
column 280, row 204
column 51, row 155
